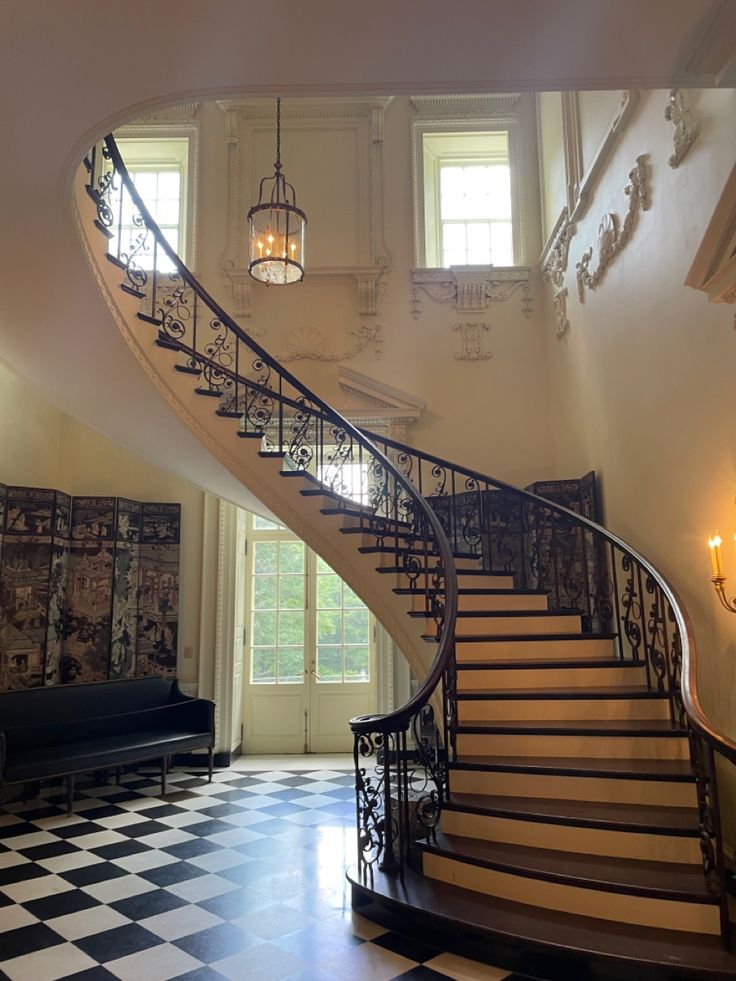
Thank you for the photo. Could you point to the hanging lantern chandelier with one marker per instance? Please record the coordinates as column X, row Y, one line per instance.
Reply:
column 276, row 227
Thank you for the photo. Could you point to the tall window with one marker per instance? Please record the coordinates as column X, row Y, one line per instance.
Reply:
column 159, row 170
column 303, row 618
column 469, row 207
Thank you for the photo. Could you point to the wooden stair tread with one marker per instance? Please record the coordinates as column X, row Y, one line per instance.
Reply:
column 525, row 933
column 643, row 818
column 667, row 880
column 619, row 692
column 503, row 614
column 480, row 591
column 521, row 664
column 633, row 769
column 499, row 638
column 593, row 727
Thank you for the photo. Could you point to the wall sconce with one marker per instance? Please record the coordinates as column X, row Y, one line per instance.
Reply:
column 718, row 578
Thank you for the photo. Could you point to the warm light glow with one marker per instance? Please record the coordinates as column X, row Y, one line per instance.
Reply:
column 716, row 557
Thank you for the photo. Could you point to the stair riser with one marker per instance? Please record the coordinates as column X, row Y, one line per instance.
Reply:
column 554, row 787
column 468, row 603
column 549, row 678
column 483, row 581
column 468, row 626
column 391, row 558
column 533, row 650
column 621, row 908
column 562, row 709
column 565, row 838
column 595, row 747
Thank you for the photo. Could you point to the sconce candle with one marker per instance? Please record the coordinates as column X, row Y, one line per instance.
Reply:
column 716, row 557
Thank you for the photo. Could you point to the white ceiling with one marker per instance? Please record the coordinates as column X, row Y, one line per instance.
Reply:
column 70, row 71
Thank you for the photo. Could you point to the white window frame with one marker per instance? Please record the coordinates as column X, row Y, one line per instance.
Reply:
column 174, row 147
column 425, row 179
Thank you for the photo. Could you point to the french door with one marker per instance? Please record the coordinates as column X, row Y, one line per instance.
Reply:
column 309, row 651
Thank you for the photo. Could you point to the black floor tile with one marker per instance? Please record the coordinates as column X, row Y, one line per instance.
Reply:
column 120, row 849
column 98, row 973
column 111, row 944
column 148, row 904
column 205, row 829
column 191, row 849
column 89, row 874
column 79, row 828
column 142, row 829
column 51, row 850
column 37, row 936
column 420, row 973
column 59, row 904
column 412, row 949
column 21, row 873
column 167, row 875
column 217, row 942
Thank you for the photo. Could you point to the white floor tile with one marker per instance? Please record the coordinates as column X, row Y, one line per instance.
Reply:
column 125, row 820
column 368, row 963
column 263, row 962
column 120, row 888
column 45, row 885
column 10, row 859
column 462, row 969
column 86, row 922
column 203, row 887
column 14, row 917
column 97, row 839
column 164, row 839
column 224, row 858
column 142, row 861
column 180, row 922
column 49, row 964
column 72, row 860
column 155, row 964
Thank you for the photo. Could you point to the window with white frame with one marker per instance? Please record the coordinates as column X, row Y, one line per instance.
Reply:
column 468, row 199
column 159, row 168
column 301, row 612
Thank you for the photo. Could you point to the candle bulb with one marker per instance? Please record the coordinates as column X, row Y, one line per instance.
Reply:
column 716, row 557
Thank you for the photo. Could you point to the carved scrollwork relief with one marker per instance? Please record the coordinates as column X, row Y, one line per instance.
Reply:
column 613, row 237
column 687, row 127
column 559, row 302
column 471, row 288
column 472, row 345
column 554, row 263
column 308, row 344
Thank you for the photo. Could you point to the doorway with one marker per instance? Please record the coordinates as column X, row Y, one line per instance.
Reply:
column 309, row 652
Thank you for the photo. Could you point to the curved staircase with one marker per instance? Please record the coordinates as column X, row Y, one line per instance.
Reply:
column 550, row 788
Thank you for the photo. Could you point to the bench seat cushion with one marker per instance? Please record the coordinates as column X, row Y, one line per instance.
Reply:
column 79, row 757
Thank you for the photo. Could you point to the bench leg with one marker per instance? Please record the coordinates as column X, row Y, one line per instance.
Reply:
column 163, row 776
column 118, row 775
column 210, row 762
column 69, row 794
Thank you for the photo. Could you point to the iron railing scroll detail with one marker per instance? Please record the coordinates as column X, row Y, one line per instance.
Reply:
column 400, row 757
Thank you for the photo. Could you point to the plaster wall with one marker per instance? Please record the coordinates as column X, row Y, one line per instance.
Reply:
column 490, row 414
column 643, row 379
column 43, row 447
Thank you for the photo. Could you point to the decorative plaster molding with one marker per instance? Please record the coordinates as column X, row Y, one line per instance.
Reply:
column 183, row 113
column 559, row 303
column 378, row 407
column 611, row 239
column 471, row 288
column 553, row 262
column 687, row 127
column 472, row 342
column 308, row 344
column 471, row 106
column 366, row 115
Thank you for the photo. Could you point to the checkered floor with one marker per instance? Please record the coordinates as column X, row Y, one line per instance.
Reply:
column 242, row 878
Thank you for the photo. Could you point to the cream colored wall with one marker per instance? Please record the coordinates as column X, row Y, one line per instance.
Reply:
column 643, row 380
column 41, row 446
column 488, row 414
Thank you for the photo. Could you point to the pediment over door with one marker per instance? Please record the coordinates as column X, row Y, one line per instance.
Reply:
column 371, row 404
column 714, row 268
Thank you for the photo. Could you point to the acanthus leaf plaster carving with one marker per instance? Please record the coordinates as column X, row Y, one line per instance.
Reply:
column 471, row 288
column 554, row 259
column 612, row 237
column 687, row 127
column 472, row 346
column 308, row 344
column 559, row 304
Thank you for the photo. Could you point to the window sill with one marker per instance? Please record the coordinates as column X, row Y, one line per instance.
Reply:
column 470, row 289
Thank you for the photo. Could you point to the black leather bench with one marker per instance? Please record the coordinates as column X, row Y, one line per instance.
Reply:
column 64, row 730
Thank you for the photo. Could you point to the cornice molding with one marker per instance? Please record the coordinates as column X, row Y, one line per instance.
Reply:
column 470, row 289
column 470, row 105
column 185, row 112
column 372, row 392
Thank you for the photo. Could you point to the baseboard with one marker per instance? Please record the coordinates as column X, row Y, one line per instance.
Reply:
column 200, row 759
